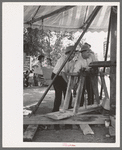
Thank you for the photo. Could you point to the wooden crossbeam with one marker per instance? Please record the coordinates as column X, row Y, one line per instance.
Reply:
column 68, row 113
column 78, row 119
column 102, row 64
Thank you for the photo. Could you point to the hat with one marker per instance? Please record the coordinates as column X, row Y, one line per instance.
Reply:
column 91, row 51
column 68, row 49
column 87, row 44
column 85, row 48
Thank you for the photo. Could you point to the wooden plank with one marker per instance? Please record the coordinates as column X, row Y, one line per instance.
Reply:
column 86, row 129
column 60, row 115
column 79, row 94
column 68, row 93
column 113, row 48
column 30, row 132
column 78, row 119
column 106, row 100
column 104, row 86
column 68, row 113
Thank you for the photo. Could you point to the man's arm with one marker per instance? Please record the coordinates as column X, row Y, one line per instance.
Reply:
column 77, row 66
column 64, row 75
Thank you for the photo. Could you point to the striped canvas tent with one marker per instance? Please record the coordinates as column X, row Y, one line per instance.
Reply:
column 66, row 18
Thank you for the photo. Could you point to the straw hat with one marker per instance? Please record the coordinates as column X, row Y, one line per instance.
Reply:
column 87, row 44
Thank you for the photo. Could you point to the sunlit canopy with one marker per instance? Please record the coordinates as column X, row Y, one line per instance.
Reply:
column 66, row 18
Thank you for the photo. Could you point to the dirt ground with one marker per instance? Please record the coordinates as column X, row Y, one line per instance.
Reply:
column 69, row 133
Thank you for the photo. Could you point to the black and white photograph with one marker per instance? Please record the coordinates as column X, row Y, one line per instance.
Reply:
column 61, row 74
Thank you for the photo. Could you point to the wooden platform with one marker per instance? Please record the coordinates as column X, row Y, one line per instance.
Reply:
column 78, row 119
column 68, row 113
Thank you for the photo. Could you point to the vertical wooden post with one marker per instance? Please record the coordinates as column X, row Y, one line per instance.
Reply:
column 94, row 81
column 79, row 93
column 113, row 57
column 68, row 93
column 104, row 86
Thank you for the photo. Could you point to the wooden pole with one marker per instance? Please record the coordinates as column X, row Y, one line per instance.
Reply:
column 102, row 64
column 113, row 58
column 96, row 10
column 106, row 50
column 50, row 14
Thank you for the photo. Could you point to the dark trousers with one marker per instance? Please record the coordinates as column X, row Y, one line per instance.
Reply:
column 88, row 87
column 60, row 87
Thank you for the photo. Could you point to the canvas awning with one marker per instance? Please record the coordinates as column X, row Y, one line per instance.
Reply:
column 66, row 18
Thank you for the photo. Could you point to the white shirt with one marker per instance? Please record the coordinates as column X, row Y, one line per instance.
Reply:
column 38, row 69
column 84, row 63
column 67, row 68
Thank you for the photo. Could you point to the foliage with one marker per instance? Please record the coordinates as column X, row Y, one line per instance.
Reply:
column 51, row 43
column 32, row 43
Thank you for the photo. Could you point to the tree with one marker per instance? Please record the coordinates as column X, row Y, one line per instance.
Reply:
column 32, row 44
column 50, row 43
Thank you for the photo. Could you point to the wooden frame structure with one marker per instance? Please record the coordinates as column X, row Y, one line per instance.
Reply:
column 46, row 120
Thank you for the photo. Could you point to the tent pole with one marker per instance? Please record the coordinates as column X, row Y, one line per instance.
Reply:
column 106, row 50
column 113, row 59
column 96, row 10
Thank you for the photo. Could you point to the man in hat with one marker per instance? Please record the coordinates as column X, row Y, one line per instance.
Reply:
column 60, row 83
column 86, row 57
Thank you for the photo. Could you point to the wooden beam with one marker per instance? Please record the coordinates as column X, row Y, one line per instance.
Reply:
column 79, row 94
column 113, row 57
column 102, row 64
column 30, row 132
column 68, row 94
column 78, row 119
column 104, row 86
column 50, row 14
column 69, row 113
column 86, row 129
